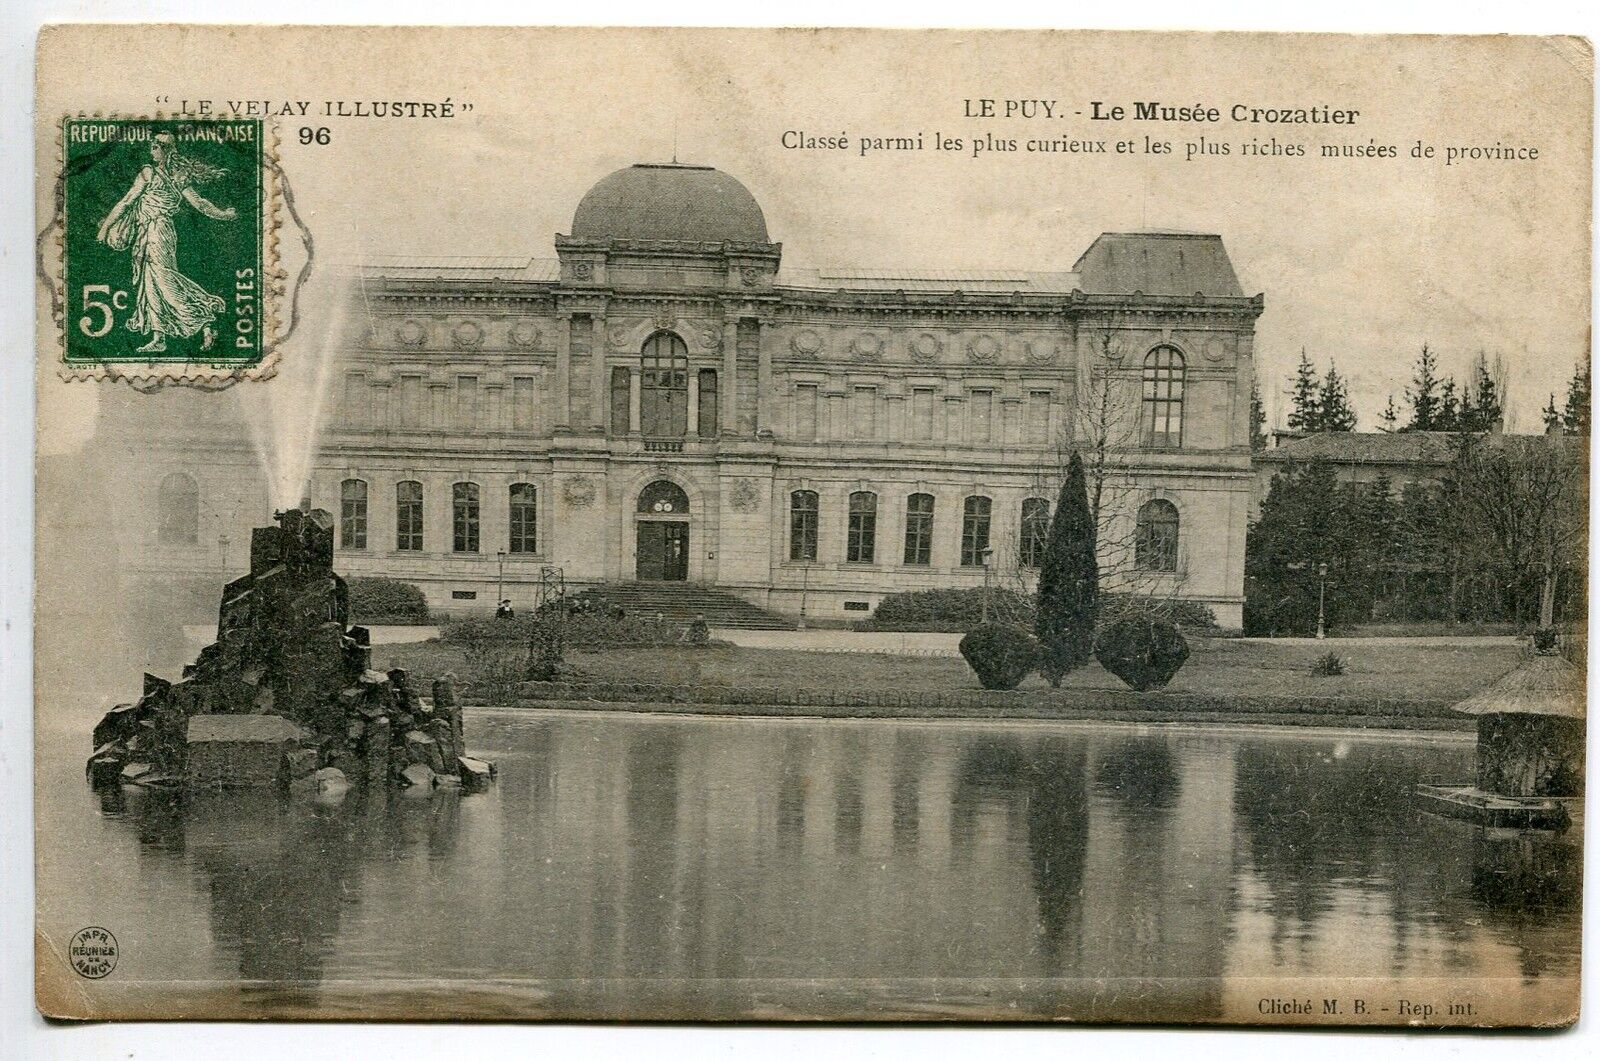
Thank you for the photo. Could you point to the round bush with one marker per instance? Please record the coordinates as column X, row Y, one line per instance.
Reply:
column 1000, row 654
column 1144, row 652
column 386, row 600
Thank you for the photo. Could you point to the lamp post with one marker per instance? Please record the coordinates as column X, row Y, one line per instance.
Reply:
column 984, row 556
column 805, row 586
column 222, row 547
column 1322, row 597
column 500, row 591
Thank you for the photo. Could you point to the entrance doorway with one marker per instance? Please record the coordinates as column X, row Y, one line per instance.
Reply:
column 663, row 551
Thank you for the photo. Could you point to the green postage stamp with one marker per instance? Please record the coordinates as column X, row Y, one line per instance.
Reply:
column 165, row 234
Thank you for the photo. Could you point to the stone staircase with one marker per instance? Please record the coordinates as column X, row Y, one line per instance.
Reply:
column 681, row 602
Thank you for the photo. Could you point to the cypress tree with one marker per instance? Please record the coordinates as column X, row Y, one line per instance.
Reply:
column 1069, row 582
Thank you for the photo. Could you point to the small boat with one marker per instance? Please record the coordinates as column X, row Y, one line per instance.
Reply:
column 1495, row 811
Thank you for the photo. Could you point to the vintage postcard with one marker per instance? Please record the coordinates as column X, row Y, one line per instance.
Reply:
column 811, row 525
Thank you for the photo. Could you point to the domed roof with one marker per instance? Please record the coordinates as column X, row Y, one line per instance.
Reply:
column 670, row 202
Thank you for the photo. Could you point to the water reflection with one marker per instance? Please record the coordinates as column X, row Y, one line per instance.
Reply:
column 668, row 867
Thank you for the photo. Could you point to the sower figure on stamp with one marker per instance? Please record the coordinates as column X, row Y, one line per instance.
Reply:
column 166, row 301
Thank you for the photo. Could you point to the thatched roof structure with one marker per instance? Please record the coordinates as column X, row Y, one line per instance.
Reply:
column 1545, row 685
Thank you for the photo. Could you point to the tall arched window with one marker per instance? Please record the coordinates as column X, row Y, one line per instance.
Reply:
column 861, row 541
column 1155, row 545
column 803, row 525
column 353, row 514
column 664, row 386
column 524, row 518
column 408, row 516
column 919, row 529
column 1163, row 397
column 1035, row 531
column 178, row 510
column 464, row 516
column 975, row 512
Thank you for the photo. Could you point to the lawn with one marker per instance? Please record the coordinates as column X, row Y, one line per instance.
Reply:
column 1218, row 667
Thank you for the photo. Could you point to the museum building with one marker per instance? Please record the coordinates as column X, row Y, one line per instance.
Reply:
column 664, row 401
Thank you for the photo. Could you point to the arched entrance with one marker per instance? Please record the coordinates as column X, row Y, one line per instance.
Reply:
column 662, row 521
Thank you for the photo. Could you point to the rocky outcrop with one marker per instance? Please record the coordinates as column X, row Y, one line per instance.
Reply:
column 287, row 694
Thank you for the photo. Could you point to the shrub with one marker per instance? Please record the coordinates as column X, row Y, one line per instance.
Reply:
column 1544, row 641
column 1185, row 614
column 586, row 630
column 544, row 652
column 1069, row 583
column 698, row 632
column 386, row 600
column 1330, row 665
column 951, row 610
column 1145, row 652
column 1001, row 654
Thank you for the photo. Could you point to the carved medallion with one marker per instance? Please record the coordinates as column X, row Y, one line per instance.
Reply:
column 806, row 343
column 867, row 346
column 578, row 491
column 468, row 335
column 1041, row 351
column 750, row 275
column 927, row 347
column 1216, row 349
column 983, row 349
column 524, row 334
column 744, row 496
column 1114, row 346
column 711, row 337
column 411, row 333
column 583, row 270
column 617, row 335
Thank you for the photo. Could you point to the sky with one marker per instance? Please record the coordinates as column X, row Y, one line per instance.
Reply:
column 1361, row 260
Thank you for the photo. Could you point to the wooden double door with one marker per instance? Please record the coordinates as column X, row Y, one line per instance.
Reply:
column 663, row 551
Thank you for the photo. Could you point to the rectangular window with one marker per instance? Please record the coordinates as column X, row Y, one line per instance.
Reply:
column 408, row 517
column 522, row 398
column 464, row 517
column 355, row 399
column 919, row 529
column 1035, row 530
column 410, row 401
column 524, row 518
column 463, row 594
column 805, row 412
column 982, row 412
column 1039, row 418
column 922, row 414
column 707, row 410
column 975, row 531
column 864, row 412
column 353, row 514
column 803, row 525
column 861, row 541
column 620, row 401
column 467, row 402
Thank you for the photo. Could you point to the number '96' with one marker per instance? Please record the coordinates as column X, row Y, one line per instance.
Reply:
column 319, row 136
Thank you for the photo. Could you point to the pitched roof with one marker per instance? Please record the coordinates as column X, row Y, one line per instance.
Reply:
column 1545, row 685
column 969, row 281
column 1399, row 447
column 1158, row 263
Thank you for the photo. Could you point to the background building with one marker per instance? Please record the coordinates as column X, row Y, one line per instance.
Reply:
column 664, row 402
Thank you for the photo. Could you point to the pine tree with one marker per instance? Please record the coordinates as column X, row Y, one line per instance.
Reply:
column 1575, row 418
column 1423, row 394
column 1069, row 582
column 1390, row 416
column 1488, row 410
column 1258, row 418
column 1333, row 403
column 1552, row 415
column 1306, row 414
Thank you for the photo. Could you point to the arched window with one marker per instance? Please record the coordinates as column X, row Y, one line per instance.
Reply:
column 464, row 516
column 803, row 525
column 861, row 543
column 664, row 387
column 1155, row 545
column 178, row 510
column 1163, row 397
column 353, row 514
column 1035, row 531
column 408, row 516
column 524, row 518
column 975, row 513
column 662, row 498
column 919, row 529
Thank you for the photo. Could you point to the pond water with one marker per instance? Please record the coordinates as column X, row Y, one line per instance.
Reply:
column 632, row 865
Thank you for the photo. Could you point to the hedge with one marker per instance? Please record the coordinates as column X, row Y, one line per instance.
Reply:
column 578, row 631
column 386, row 601
column 959, row 610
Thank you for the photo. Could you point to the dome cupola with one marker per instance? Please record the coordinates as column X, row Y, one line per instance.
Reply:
column 669, row 202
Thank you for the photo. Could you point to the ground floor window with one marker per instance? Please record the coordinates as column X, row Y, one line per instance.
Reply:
column 353, row 514
column 919, row 529
column 408, row 516
column 1156, row 536
column 464, row 506
column 524, row 518
column 975, row 512
column 861, row 543
column 803, row 525
column 1035, row 531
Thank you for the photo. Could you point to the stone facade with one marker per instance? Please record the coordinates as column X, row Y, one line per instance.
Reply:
column 666, row 343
